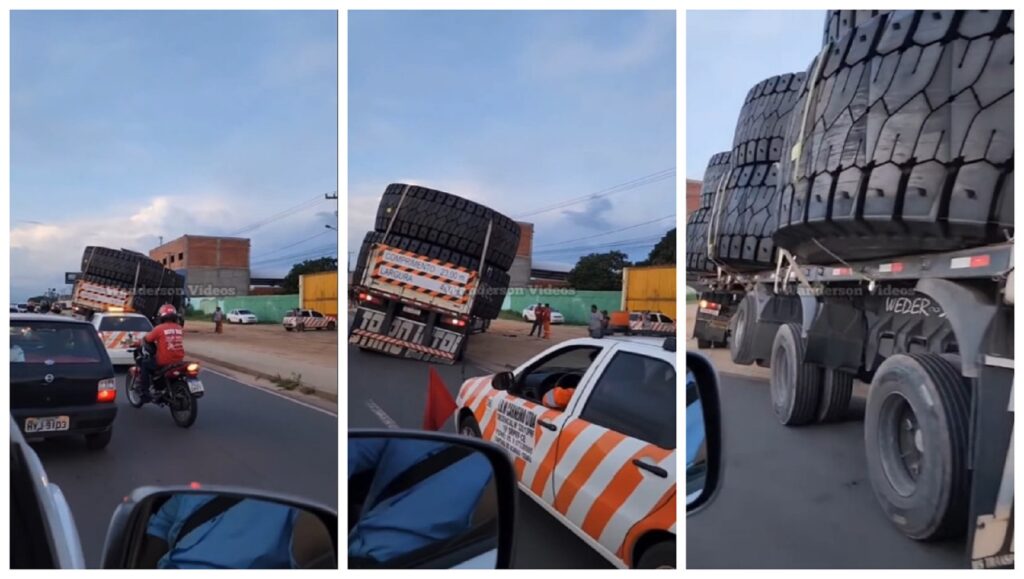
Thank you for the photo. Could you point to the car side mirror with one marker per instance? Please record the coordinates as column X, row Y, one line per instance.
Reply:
column 703, row 433
column 427, row 500
column 199, row 527
column 503, row 381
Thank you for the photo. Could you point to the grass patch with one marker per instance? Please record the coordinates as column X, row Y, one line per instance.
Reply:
column 291, row 383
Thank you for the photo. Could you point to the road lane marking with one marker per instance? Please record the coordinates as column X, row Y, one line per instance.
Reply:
column 272, row 393
column 383, row 416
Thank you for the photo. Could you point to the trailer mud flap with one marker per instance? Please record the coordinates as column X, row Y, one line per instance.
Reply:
column 404, row 338
column 836, row 336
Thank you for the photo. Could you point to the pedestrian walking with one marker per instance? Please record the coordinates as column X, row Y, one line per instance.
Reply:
column 547, row 321
column 218, row 320
column 537, row 324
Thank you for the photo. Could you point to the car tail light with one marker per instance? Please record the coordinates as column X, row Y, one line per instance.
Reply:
column 192, row 369
column 106, row 390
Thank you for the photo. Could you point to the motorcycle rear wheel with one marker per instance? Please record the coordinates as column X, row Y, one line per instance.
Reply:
column 184, row 407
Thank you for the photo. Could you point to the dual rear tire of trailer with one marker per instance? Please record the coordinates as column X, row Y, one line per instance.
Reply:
column 916, row 429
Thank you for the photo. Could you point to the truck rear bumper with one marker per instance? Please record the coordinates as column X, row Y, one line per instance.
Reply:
column 404, row 338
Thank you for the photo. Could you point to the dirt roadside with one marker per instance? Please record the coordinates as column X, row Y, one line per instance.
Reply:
column 264, row 351
column 507, row 343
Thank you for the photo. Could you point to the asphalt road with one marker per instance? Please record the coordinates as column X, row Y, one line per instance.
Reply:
column 799, row 497
column 389, row 392
column 242, row 436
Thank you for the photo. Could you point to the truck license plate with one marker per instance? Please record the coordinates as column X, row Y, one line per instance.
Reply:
column 47, row 424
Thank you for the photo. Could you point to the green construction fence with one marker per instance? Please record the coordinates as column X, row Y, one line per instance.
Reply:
column 268, row 309
column 574, row 304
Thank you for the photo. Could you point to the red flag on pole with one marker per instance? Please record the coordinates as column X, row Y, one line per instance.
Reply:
column 440, row 404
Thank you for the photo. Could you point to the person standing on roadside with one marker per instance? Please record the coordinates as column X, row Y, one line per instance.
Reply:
column 547, row 321
column 596, row 325
column 218, row 321
column 536, row 321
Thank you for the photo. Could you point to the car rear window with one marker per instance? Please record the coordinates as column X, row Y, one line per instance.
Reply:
column 125, row 324
column 244, row 312
column 40, row 342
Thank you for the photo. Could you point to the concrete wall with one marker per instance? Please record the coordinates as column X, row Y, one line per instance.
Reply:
column 520, row 271
column 217, row 282
column 268, row 309
column 574, row 304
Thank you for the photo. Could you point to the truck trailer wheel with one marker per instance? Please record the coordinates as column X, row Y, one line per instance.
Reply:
column 741, row 332
column 836, row 389
column 916, row 427
column 449, row 221
column 795, row 384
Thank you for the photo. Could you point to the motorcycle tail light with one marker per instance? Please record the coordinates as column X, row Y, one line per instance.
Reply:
column 192, row 369
column 106, row 390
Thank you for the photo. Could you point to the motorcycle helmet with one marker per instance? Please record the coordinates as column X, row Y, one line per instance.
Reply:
column 167, row 313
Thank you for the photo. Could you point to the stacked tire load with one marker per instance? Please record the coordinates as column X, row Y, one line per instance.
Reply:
column 449, row 228
column 154, row 284
column 904, row 138
column 697, row 223
column 746, row 215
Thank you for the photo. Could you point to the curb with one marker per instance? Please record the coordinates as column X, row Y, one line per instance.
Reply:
column 328, row 396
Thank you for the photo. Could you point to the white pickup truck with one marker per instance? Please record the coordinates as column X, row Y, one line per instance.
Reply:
column 300, row 320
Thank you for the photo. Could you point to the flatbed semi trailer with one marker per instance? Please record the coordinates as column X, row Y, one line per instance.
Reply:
column 933, row 336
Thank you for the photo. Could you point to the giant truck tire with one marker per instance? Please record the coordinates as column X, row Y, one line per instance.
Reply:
column 697, row 223
column 840, row 22
column 448, row 221
column 795, row 385
column 836, row 391
column 741, row 332
column 493, row 283
column 904, row 139
column 747, row 214
column 916, row 429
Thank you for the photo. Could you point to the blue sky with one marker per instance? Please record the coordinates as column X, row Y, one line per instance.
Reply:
column 518, row 110
column 131, row 125
column 727, row 53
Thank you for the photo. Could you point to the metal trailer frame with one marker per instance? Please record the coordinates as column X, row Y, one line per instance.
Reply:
column 971, row 290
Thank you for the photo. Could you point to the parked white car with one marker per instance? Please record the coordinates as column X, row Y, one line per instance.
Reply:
column 529, row 315
column 241, row 317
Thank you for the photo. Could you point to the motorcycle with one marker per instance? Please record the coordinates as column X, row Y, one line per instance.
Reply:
column 176, row 386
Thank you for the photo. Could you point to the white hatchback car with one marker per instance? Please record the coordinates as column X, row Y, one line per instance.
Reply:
column 530, row 315
column 118, row 332
column 241, row 317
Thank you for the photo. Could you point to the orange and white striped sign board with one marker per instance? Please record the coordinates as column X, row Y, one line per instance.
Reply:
column 411, row 276
column 100, row 297
column 654, row 327
column 581, row 472
column 120, row 340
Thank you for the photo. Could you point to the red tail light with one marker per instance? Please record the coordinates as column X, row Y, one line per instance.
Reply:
column 192, row 370
column 106, row 390
column 365, row 297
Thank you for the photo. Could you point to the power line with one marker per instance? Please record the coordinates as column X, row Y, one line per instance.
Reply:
column 613, row 190
column 609, row 232
column 280, row 215
column 612, row 244
column 306, row 253
column 300, row 242
column 650, row 244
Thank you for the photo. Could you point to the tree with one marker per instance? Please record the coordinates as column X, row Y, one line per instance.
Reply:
column 664, row 253
column 291, row 281
column 599, row 271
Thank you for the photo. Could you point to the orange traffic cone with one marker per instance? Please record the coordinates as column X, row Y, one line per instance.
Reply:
column 440, row 404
